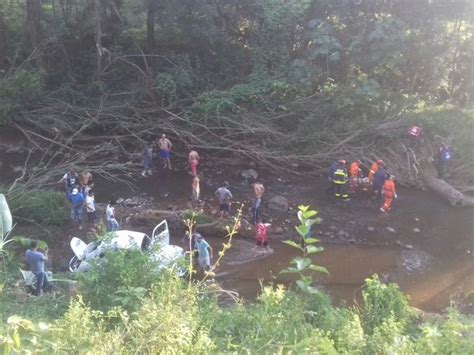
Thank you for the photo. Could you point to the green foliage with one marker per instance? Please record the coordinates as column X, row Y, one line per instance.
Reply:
column 119, row 279
column 41, row 206
column 303, row 266
column 381, row 302
column 19, row 92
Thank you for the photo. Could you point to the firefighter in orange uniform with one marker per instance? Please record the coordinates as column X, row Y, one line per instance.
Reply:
column 389, row 192
column 355, row 174
column 373, row 169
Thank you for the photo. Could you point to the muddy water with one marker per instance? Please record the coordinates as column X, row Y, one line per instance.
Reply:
column 432, row 266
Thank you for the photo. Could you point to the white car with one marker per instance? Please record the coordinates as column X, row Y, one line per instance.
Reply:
column 166, row 255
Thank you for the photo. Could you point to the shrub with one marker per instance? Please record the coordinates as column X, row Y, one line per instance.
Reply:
column 121, row 278
column 41, row 206
column 381, row 302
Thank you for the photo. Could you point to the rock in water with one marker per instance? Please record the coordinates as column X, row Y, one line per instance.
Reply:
column 416, row 230
column 371, row 229
column 278, row 203
column 249, row 175
column 391, row 230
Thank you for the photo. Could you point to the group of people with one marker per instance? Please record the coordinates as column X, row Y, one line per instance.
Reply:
column 378, row 181
column 80, row 194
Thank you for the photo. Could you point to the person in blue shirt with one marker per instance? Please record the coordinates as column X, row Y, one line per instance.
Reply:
column 377, row 184
column 147, row 160
column 36, row 261
column 77, row 201
column 203, row 249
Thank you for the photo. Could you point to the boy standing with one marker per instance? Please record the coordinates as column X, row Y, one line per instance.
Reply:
column 203, row 249
column 193, row 162
column 77, row 200
column 90, row 209
column 224, row 195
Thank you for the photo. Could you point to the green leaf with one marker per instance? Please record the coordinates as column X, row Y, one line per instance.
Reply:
column 302, row 230
column 319, row 269
column 311, row 240
column 293, row 244
column 303, row 208
column 289, row 270
column 301, row 263
column 312, row 290
column 311, row 249
column 309, row 214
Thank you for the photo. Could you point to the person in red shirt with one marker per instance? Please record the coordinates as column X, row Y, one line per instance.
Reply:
column 262, row 234
column 355, row 174
column 389, row 192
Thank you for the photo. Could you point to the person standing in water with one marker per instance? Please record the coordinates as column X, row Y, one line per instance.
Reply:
column 165, row 146
column 224, row 195
column 205, row 252
column 193, row 161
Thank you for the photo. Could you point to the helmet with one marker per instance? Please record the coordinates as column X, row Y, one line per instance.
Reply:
column 342, row 161
column 380, row 161
column 392, row 177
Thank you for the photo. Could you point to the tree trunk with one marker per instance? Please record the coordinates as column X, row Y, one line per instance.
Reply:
column 33, row 23
column 150, row 23
column 98, row 36
column 442, row 188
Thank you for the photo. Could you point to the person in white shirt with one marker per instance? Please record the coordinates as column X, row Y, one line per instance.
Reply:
column 112, row 224
column 90, row 209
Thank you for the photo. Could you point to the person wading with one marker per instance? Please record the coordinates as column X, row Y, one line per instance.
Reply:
column 205, row 252
column 377, row 185
column 340, row 181
column 444, row 155
column 389, row 193
column 165, row 146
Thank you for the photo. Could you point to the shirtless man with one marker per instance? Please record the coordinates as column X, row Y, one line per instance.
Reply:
column 258, row 189
column 193, row 162
column 165, row 146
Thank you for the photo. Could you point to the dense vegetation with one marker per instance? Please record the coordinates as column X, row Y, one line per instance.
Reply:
column 299, row 80
column 88, row 82
column 169, row 315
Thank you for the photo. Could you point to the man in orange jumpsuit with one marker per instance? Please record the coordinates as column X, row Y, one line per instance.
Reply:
column 389, row 193
column 373, row 169
column 355, row 174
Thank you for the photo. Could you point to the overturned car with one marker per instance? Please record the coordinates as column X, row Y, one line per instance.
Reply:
column 158, row 245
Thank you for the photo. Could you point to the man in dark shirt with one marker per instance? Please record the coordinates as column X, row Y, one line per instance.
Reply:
column 36, row 261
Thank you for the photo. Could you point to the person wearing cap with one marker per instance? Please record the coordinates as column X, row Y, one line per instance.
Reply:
column 389, row 193
column 165, row 146
column 340, row 180
column 224, row 195
column 205, row 252
column 262, row 234
column 77, row 201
